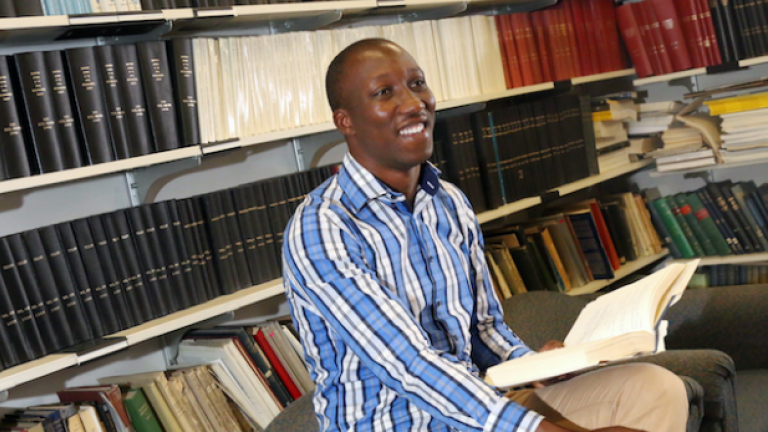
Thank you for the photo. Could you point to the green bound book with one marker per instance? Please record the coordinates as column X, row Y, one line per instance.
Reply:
column 693, row 222
column 686, row 229
column 708, row 224
column 675, row 231
column 140, row 412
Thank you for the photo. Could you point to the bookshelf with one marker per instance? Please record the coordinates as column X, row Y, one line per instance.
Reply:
column 714, row 167
column 623, row 271
column 733, row 259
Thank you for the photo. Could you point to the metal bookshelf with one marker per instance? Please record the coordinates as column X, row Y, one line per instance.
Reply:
column 624, row 271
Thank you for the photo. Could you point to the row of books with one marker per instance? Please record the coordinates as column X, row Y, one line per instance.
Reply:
column 225, row 379
column 16, row 8
column 729, row 275
column 719, row 219
column 81, row 280
column 743, row 125
column 82, row 106
column 669, row 36
column 574, row 38
column 573, row 247
column 499, row 156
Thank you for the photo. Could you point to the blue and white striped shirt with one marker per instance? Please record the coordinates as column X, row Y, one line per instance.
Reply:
column 396, row 310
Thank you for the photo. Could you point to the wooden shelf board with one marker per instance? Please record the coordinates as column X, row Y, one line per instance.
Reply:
column 753, row 61
column 300, row 10
column 92, row 355
column 713, row 167
column 30, row 22
column 79, row 20
column 602, row 76
column 174, row 14
column 508, row 209
column 624, row 271
column 670, row 77
column 287, row 134
column 500, row 95
column 35, row 369
column 593, row 180
column 98, row 170
column 732, row 259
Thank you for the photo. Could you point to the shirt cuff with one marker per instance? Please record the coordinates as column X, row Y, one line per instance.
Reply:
column 509, row 416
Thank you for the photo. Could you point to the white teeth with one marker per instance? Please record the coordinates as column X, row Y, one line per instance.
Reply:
column 412, row 130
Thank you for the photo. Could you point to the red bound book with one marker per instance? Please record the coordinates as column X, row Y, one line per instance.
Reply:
column 647, row 37
column 701, row 34
column 605, row 236
column 574, row 48
column 658, row 39
column 688, row 20
column 672, row 33
column 589, row 25
column 513, row 60
column 523, row 53
column 542, row 43
column 630, row 32
column 277, row 365
column 503, row 52
column 705, row 18
column 601, row 35
column 615, row 57
column 585, row 51
column 533, row 50
column 556, row 48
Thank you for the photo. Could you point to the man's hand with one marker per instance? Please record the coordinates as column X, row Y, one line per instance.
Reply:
column 546, row 426
column 551, row 345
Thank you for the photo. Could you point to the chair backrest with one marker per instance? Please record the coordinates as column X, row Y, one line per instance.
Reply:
column 540, row 316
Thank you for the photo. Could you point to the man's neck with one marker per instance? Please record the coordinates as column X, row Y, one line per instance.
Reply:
column 404, row 181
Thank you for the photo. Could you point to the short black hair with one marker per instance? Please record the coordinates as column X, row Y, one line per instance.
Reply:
column 334, row 76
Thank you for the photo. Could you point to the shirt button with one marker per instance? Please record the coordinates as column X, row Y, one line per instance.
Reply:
column 439, row 303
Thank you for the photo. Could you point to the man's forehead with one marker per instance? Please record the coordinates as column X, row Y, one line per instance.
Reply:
column 385, row 57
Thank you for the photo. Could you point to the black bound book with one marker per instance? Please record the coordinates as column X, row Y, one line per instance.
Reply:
column 80, row 278
column 576, row 151
column 12, row 340
column 182, row 63
column 487, row 155
column 181, row 281
column 181, row 211
column 46, row 306
column 745, row 31
column 732, row 34
column 134, row 104
column 189, row 264
column 65, row 116
column 514, row 158
column 730, row 217
column 200, row 226
column 725, row 189
column 220, row 243
column 277, row 204
column 265, row 238
column 169, row 279
column 25, row 314
column 91, row 106
column 236, row 240
column 40, row 111
column 117, row 290
column 12, row 143
column 27, row 7
column 96, row 277
column 118, row 119
column 7, row 9
column 51, row 271
column 552, row 174
column 156, row 289
column 131, row 282
column 148, row 5
column 158, row 84
column 245, row 218
column 535, row 168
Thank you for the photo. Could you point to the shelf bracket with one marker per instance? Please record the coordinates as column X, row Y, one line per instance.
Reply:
column 3, row 395
column 306, row 24
column 145, row 183
column 172, row 340
column 434, row 14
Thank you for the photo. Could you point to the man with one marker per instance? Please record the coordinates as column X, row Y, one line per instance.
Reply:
column 388, row 286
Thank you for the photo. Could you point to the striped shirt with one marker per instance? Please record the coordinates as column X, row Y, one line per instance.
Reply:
column 395, row 308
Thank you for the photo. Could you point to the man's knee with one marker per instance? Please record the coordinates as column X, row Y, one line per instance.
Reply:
column 655, row 386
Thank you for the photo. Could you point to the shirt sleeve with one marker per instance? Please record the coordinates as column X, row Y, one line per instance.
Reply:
column 325, row 266
column 492, row 340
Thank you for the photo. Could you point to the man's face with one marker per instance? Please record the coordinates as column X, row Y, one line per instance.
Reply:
column 389, row 110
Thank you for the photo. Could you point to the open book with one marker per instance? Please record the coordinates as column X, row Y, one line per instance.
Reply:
column 620, row 324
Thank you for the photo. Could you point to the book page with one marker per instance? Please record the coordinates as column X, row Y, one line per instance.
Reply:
column 631, row 308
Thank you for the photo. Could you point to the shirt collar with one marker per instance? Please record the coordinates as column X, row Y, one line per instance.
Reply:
column 361, row 186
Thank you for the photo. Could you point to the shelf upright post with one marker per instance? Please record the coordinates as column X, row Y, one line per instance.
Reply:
column 298, row 154
column 171, row 341
column 3, row 395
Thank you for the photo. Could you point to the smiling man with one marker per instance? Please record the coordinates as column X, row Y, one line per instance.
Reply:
column 388, row 286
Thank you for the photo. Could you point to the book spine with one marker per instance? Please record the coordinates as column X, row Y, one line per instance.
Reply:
column 503, row 52
column 745, row 31
column 489, row 164
column 134, row 104
column 605, row 236
column 509, row 45
column 542, row 46
column 13, row 143
column 721, row 32
column 661, row 229
column 693, row 223
column 686, row 228
column 219, row 240
column 206, row 246
column 168, row 281
column 193, row 276
column 657, row 37
column 181, row 283
column 732, row 28
column 118, row 118
column 709, row 26
column 245, row 218
column 546, row 148
column 13, row 344
column 7, row 9
column 26, row 310
column 89, row 95
column 748, row 216
column 65, row 117
column 523, row 51
column 672, row 33
column 40, row 114
column 117, row 291
column 155, row 71
column 674, row 228
column 707, row 223
column 753, row 15
column 264, row 239
column 195, row 248
column 741, row 217
column 183, row 62
column 630, row 32
column 235, row 237
column 155, row 287
column 693, row 37
column 730, row 218
column 722, row 225
column 28, row 7
column 130, row 253
column 591, row 246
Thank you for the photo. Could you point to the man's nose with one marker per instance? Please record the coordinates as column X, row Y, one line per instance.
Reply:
column 410, row 102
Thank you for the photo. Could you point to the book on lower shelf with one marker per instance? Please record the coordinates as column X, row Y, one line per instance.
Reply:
column 620, row 324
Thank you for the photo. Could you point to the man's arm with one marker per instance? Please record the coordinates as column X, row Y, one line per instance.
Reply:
column 325, row 267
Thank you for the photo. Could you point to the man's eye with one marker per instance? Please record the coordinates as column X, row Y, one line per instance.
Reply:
column 383, row 92
column 419, row 83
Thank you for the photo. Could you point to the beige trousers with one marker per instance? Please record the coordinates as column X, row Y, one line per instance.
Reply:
column 639, row 396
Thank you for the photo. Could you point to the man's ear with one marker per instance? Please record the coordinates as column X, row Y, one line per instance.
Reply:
column 343, row 122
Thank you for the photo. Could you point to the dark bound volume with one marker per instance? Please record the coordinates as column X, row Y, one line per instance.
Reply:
column 114, row 283
column 25, row 314
column 189, row 230
column 189, row 264
column 487, row 155
column 52, row 271
column 80, row 278
column 118, row 120
column 27, row 7
column 166, row 275
column 576, row 152
column 119, row 227
column 40, row 111
column 533, row 157
column 156, row 74
column 44, row 306
column 128, row 279
column 98, row 281
column 134, row 104
column 588, row 129
column 236, row 239
column 514, row 159
column 265, row 240
column 7, row 9
column 246, row 220
column 195, row 207
column 552, row 171
column 277, row 204
column 183, row 64
column 65, row 117
column 156, row 289
column 221, row 246
column 181, row 281
column 13, row 344
column 91, row 106
column 12, row 144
